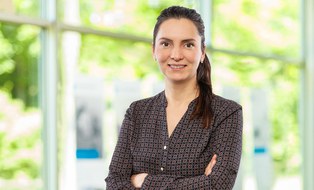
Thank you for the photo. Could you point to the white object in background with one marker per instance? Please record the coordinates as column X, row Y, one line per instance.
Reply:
column 234, row 93
column 262, row 161
column 125, row 93
column 89, row 103
column 158, row 87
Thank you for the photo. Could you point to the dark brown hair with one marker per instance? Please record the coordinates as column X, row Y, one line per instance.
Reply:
column 203, row 105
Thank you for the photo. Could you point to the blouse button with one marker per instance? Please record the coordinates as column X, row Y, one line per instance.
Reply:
column 165, row 147
column 162, row 169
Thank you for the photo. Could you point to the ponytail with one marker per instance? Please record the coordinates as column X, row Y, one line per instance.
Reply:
column 203, row 107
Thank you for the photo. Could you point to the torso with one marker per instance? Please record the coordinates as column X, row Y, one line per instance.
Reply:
column 174, row 115
column 188, row 150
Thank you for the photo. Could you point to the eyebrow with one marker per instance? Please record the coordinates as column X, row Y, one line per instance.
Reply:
column 184, row 41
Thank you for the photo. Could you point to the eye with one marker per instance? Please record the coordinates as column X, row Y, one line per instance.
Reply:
column 165, row 44
column 189, row 45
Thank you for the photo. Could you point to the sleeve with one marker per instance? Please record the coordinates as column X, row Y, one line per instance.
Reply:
column 120, row 169
column 226, row 142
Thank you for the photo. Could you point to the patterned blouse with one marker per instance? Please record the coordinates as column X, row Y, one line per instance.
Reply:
column 178, row 161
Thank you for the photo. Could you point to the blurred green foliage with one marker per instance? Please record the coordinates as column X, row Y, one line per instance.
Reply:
column 20, row 142
column 12, row 162
column 261, row 27
column 19, row 62
column 268, row 28
column 240, row 25
column 282, row 82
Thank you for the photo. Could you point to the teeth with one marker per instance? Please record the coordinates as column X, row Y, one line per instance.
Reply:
column 176, row 66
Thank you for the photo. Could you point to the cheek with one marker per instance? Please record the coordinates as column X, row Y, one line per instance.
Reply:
column 162, row 56
column 193, row 57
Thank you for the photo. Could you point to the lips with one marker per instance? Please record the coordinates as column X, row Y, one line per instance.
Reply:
column 176, row 66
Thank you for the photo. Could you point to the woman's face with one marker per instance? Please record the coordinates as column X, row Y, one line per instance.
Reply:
column 178, row 50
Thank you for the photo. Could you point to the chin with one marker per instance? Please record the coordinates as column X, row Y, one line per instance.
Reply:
column 177, row 80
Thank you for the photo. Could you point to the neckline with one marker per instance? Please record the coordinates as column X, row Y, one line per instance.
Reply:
column 182, row 120
column 165, row 101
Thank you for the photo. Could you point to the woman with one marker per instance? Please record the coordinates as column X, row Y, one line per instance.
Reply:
column 184, row 137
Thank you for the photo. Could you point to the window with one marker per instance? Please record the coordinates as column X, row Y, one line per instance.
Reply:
column 97, row 54
column 21, row 148
column 28, row 8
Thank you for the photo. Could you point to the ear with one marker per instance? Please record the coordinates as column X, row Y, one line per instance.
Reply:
column 203, row 54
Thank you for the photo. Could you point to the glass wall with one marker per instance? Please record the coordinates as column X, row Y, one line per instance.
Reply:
column 21, row 150
column 126, row 16
column 258, row 27
column 28, row 8
column 279, row 83
column 266, row 37
column 104, row 63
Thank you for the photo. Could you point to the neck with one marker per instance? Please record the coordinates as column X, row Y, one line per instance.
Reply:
column 181, row 93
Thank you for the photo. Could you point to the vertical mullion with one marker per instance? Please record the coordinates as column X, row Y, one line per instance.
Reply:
column 307, row 96
column 48, row 79
column 205, row 9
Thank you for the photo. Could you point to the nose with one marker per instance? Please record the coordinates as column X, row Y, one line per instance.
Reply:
column 176, row 54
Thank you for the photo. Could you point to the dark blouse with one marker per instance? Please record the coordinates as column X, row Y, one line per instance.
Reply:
column 177, row 162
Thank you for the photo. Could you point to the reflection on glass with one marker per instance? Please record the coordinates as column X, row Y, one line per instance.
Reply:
column 129, row 16
column 20, row 7
column 113, row 58
column 93, row 70
column 20, row 116
column 281, row 83
column 264, row 27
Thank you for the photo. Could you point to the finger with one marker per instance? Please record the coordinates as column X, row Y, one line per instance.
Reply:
column 208, row 171
column 211, row 164
column 214, row 160
column 133, row 180
column 214, row 157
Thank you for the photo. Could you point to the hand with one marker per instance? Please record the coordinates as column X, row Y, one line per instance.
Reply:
column 211, row 164
column 138, row 179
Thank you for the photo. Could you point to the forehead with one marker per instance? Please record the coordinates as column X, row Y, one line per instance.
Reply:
column 178, row 29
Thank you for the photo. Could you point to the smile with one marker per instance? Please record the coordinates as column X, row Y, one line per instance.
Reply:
column 176, row 66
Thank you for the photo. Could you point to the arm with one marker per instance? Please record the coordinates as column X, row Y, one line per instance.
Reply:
column 138, row 179
column 226, row 142
column 120, row 168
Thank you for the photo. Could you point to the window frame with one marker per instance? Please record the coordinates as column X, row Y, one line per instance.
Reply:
column 52, row 28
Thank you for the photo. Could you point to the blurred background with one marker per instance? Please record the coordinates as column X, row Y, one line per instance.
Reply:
column 70, row 68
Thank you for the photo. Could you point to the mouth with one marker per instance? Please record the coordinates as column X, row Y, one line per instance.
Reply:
column 176, row 66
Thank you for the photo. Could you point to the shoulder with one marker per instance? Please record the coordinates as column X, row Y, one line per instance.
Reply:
column 223, row 108
column 140, row 109
column 148, row 103
column 220, row 104
column 158, row 98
